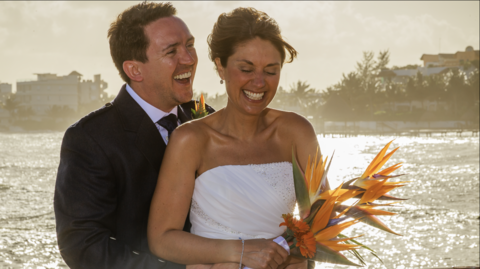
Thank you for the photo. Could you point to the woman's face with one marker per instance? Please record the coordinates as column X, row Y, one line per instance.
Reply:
column 251, row 75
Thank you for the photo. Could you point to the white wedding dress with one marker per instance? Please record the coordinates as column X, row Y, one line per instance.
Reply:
column 244, row 201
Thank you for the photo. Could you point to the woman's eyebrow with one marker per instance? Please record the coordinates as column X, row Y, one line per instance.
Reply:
column 250, row 63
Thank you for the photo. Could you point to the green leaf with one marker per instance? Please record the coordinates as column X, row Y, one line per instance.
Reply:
column 326, row 254
column 358, row 256
column 373, row 252
column 356, row 212
column 301, row 191
column 314, row 209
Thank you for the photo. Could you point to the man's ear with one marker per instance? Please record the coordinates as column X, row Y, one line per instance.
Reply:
column 220, row 70
column 132, row 69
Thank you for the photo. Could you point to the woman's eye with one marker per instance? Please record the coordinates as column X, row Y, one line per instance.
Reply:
column 271, row 73
column 246, row 71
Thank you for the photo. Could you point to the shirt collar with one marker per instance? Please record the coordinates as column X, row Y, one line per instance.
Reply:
column 154, row 113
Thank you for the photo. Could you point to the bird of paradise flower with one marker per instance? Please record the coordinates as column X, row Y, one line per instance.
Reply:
column 199, row 111
column 317, row 234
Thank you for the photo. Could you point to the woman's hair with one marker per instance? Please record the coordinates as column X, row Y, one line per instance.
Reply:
column 127, row 36
column 243, row 24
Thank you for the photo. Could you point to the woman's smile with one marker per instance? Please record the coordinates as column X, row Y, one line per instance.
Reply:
column 254, row 96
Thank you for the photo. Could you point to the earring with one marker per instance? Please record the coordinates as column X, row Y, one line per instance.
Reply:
column 221, row 81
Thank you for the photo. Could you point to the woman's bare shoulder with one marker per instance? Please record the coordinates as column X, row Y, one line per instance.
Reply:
column 290, row 121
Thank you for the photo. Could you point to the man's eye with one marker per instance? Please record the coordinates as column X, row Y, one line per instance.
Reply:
column 171, row 52
column 191, row 45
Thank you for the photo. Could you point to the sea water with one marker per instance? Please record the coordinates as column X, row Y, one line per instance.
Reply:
column 439, row 222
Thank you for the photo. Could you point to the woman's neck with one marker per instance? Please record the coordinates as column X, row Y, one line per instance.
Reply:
column 242, row 126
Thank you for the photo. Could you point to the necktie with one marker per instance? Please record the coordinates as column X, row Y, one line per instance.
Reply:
column 169, row 122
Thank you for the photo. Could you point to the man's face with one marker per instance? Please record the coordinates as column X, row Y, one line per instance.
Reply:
column 172, row 61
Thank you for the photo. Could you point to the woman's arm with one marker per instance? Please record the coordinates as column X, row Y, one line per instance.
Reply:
column 171, row 203
column 301, row 135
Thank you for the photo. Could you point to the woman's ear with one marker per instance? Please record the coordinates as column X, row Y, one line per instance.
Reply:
column 133, row 71
column 220, row 69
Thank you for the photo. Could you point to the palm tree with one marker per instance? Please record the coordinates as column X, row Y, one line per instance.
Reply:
column 12, row 105
column 301, row 91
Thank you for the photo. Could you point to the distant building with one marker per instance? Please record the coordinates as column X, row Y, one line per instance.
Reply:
column 64, row 91
column 450, row 60
column 5, row 92
column 402, row 76
column 4, row 118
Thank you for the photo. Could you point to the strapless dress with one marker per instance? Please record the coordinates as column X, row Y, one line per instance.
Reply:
column 246, row 201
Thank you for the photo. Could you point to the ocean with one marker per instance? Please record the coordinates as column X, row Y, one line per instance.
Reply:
column 439, row 222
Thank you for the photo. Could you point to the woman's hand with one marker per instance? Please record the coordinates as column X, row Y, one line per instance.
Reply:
column 263, row 254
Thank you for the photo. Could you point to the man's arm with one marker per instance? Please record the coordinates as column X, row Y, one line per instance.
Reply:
column 85, row 203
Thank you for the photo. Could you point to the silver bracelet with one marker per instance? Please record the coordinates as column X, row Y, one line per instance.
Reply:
column 241, row 256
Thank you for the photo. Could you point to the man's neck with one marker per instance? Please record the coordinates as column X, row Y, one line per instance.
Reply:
column 154, row 98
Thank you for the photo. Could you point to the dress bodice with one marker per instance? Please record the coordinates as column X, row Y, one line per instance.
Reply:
column 245, row 201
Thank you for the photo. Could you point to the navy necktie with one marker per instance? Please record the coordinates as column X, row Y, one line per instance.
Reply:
column 169, row 122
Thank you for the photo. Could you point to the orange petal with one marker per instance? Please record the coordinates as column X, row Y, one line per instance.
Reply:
column 376, row 160
column 372, row 191
column 202, row 101
column 333, row 231
column 323, row 215
column 389, row 170
column 382, row 162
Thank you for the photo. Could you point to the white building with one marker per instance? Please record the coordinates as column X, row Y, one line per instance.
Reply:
column 63, row 91
column 5, row 92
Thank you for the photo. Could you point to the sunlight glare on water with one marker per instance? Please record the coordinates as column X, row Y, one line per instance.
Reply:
column 439, row 222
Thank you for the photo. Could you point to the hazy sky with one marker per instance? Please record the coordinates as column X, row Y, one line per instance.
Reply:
column 58, row 37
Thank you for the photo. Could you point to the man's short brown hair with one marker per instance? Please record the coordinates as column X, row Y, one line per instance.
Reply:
column 127, row 36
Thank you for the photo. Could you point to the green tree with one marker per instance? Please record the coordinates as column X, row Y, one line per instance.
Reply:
column 303, row 94
column 12, row 105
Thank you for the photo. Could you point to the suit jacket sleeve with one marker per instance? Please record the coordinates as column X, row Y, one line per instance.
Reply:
column 85, row 204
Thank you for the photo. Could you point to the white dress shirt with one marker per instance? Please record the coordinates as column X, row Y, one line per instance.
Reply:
column 154, row 113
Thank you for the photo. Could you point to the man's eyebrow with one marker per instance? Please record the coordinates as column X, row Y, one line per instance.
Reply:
column 171, row 45
column 177, row 43
column 250, row 63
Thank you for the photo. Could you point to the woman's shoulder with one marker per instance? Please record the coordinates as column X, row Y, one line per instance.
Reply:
column 290, row 121
column 192, row 133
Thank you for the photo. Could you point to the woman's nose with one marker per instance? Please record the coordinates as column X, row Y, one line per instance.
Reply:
column 259, row 80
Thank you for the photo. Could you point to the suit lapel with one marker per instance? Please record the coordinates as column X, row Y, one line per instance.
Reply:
column 184, row 113
column 150, row 143
column 135, row 120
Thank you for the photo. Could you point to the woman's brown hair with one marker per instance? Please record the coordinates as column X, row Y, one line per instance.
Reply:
column 243, row 24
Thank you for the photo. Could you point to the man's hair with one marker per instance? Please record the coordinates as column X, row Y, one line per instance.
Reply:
column 127, row 37
column 243, row 24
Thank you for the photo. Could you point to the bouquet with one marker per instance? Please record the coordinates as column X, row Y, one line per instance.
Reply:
column 316, row 235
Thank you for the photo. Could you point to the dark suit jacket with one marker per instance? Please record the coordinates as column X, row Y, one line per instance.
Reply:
column 109, row 164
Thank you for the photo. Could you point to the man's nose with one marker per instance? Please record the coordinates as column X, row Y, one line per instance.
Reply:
column 188, row 57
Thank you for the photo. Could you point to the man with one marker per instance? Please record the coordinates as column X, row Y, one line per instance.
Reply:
column 110, row 159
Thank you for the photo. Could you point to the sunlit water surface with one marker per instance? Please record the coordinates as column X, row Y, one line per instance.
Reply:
column 439, row 222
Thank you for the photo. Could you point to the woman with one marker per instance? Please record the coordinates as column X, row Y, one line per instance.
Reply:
column 234, row 166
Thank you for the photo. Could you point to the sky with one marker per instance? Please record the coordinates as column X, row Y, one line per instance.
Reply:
column 59, row 37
